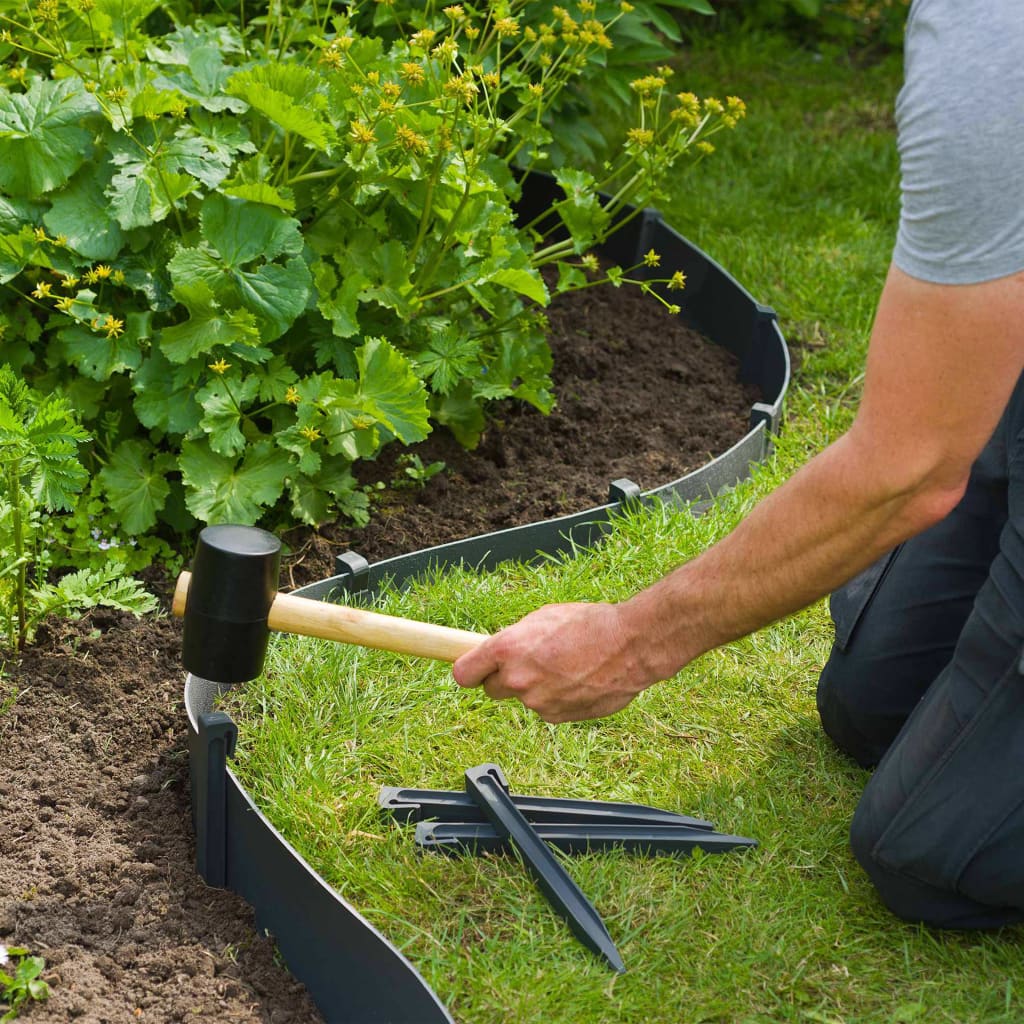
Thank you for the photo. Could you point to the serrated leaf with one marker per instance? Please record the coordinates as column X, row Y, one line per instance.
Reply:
column 80, row 213
column 449, row 359
column 203, row 80
column 525, row 282
column 165, row 396
column 97, row 356
column 339, row 305
column 208, row 324
column 390, row 390
column 289, row 96
column 222, row 401
column 45, row 135
column 261, row 192
column 242, row 232
column 221, row 490
column 135, row 481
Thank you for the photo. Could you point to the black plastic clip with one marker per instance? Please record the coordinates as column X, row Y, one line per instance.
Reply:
column 624, row 492
column 487, row 785
column 355, row 569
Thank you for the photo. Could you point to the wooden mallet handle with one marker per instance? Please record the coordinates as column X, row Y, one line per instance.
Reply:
column 329, row 621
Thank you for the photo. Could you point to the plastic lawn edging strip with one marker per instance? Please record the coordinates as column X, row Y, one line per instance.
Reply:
column 351, row 970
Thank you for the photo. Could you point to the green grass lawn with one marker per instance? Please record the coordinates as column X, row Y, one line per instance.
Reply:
column 800, row 205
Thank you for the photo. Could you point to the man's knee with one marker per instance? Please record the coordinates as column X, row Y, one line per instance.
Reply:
column 951, row 903
column 846, row 719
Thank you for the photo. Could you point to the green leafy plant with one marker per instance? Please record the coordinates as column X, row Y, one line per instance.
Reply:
column 40, row 474
column 414, row 473
column 254, row 247
column 24, row 984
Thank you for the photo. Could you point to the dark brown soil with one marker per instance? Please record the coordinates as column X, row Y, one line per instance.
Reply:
column 95, row 835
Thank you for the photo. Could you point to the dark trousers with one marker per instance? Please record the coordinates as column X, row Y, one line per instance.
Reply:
column 926, row 681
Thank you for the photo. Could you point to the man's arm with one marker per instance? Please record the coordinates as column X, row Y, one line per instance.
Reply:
column 942, row 363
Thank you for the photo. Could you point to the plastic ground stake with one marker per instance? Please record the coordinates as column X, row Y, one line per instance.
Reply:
column 648, row 840
column 488, row 787
column 453, row 806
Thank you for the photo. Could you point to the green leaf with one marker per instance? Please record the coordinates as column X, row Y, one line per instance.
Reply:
column 449, row 359
column 135, row 482
column 97, row 356
column 221, row 490
column 203, row 80
column 80, row 213
column 222, row 401
column 45, row 135
column 208, row 324
column 581, row 211
column 339, row 305
column 261, row 192
column 390, row 390
column 242, row 232
column 525, row 282
column 332, row 490
column 148, row 184
column 165, row 395
column 289, row 96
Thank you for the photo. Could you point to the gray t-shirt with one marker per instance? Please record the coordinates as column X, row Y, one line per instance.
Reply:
column 960, row 116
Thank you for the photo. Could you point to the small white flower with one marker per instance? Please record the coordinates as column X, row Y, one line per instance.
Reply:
column 4, row 958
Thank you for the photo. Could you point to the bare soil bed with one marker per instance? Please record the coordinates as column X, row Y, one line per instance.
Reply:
column 96, row 846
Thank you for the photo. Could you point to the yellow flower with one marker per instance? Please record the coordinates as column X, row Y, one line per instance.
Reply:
column 705, row 147
column 472, row 31
column 641, row 136
column 589, row 261
column 65, row 302
column 456, row 12
column 17, row 74
column 117, row 277
column 446, row 51
column 491, row 79
column 42, row 290
column 48, row 10
column 220, row 367
column 292, row 396
column 40, row 234
column 311, row 434
column 423, row 38
column 462, row 88
column 507, row 28
column 102, row 271
column 361, row 134
column 674, row 309
column 677, row 281
column 113, row 327
column 412, row 73
column 411, row 141
column 61, row 240
column 652, row 258
column 69, row 281
column 536, row 89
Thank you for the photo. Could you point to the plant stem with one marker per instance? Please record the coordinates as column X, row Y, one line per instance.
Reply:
column 17, row 526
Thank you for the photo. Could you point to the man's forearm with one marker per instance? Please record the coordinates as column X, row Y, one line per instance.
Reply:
column 807, row 538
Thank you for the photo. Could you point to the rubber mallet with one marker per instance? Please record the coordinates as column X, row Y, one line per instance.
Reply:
column 229, row 603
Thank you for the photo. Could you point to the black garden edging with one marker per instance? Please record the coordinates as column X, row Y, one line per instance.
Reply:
column 350, row 969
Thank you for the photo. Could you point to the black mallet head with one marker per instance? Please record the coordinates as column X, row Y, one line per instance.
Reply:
column 232, row 586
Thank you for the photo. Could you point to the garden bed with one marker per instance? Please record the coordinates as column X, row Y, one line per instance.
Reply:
column 96, row 846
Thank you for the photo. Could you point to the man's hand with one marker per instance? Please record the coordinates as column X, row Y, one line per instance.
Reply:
column 567, row 662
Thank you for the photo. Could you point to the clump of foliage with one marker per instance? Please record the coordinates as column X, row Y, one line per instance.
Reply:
column 40, row 474
column 25, row 984
column 252, row 247
column 860, row 23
